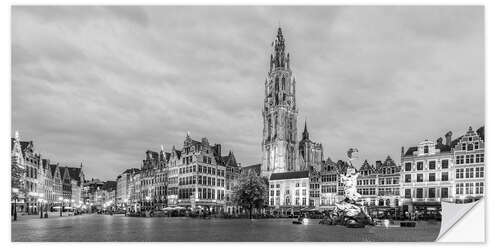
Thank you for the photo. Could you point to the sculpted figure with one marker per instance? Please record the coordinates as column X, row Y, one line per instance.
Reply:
column 348, row 212
column 350, row 178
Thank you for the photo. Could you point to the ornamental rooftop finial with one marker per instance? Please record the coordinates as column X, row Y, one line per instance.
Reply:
column 279, row 59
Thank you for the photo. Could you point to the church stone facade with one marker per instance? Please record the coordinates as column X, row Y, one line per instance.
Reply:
column 279, row 144
column 280, row 147
column 310, row 153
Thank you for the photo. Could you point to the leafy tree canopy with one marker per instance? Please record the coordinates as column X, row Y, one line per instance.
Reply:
column 251, row 191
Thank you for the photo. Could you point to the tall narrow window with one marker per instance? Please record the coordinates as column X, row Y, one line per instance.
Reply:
column 444, row 192
column 444, row 164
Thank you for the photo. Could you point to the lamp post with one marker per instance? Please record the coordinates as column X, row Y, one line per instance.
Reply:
column 39, row 205
column 40, row 200
column 66, row 201
column 61, row 206
column 46, row 208
column 148, row 199
column 15, row 191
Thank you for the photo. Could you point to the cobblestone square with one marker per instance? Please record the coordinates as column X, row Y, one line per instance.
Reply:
column 120, row 228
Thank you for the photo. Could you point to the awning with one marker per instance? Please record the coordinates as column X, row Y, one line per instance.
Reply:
column 427, row 204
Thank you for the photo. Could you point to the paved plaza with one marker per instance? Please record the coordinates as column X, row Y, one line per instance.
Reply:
column 121, row 228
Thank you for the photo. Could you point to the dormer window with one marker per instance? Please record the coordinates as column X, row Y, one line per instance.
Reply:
column 426, row 149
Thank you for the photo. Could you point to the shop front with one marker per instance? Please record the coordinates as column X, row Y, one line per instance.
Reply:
column 427, row 210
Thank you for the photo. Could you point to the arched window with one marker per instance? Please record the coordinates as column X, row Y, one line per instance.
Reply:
column 283, row 83
column 269, row 128
column 276, row 84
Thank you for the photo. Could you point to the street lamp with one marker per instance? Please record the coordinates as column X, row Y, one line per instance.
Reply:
column 61, row 206
column 40, row 200
column 46, row 208
column 148, row 199
column 15, row 191
column 39, row 203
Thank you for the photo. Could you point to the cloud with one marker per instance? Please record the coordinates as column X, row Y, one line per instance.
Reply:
column 104, row 84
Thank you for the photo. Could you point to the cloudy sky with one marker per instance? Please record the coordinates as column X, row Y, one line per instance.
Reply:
column 101, row 85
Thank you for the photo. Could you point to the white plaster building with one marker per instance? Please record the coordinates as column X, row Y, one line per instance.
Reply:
column 469, row 166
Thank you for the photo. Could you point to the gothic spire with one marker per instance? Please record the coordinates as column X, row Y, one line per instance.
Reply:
column 305, row 134
column 279, row 60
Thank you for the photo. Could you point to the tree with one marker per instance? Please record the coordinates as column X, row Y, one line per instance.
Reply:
column 250, row 192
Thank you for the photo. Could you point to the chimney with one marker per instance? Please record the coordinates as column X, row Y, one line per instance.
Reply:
column 448, row 138
column 218, row 150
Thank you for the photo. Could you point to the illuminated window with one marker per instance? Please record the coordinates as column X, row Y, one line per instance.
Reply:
column 420, row 177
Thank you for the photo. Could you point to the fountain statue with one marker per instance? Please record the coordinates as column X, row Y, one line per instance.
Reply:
column 350, row 212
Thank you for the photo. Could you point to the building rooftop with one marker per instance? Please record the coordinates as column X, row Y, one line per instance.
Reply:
column 289, row 175
column 254, row 167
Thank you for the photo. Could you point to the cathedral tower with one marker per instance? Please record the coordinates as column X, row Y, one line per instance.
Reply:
column 279, row 141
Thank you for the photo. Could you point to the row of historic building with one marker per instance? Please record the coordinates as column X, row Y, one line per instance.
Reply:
column 430, row 173
column 197, row 175
column 37, row 184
